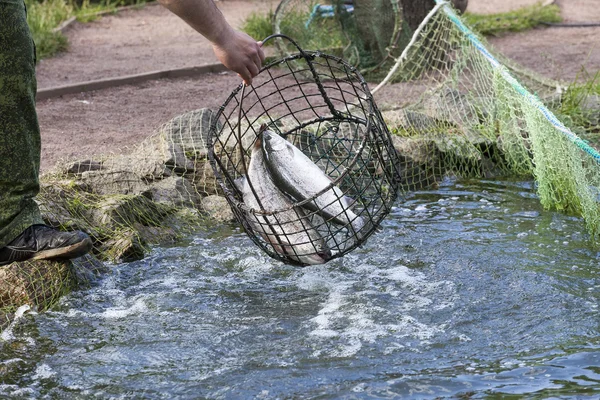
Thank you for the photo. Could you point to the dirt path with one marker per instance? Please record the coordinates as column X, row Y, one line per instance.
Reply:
column 559, row 53
column 150, row 39
column 137, row 41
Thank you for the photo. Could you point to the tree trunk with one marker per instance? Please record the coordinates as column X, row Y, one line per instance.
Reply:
column 416, row 10
column 376, row 22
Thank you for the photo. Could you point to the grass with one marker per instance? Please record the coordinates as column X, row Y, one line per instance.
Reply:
column 259, row 26
column 322, row 34
column 43, row 17
column 514, row 21
column 576, row 108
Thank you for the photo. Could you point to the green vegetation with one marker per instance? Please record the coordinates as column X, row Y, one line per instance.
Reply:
column 42, row 19
column 514, row 21
column 579, row 109
column 573, row 105
column 322, row 33
column 259, row 26
column 45, row 16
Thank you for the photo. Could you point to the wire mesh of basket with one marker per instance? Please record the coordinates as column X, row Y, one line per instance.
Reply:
column 304, row 158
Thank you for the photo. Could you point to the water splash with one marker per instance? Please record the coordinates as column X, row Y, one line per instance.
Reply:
column 471, row 288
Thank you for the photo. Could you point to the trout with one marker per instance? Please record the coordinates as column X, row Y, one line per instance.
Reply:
column 290, row 232
column 300, row 178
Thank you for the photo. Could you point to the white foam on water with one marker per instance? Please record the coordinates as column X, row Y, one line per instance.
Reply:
column 8, row 333
column 410, row 327
column 327, row 314
column 319, row 278
column 393, row 347
column 138, row 307
column 6, row 389
column 347, row 318
column 168, row 281
column 43, row 371
column 11, row 361
column 172, row 283
column 13, row 391
column 255, row 267
column 402, row 274
column 198, row 241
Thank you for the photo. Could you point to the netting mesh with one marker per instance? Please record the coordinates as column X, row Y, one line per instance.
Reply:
column 452, row 109
column 463, row 111
column 35, row 283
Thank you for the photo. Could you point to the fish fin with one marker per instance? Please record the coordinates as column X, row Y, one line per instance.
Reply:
column 263, row 127
column 357, row 224
column 348, row 201
column 240, row 183
column 290, row 149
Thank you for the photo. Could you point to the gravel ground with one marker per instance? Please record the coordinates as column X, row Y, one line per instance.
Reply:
column 151, row 39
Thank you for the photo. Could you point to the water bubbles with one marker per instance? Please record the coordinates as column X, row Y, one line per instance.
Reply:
column 138, row 307
column 43, row 371
column 360, row 388
column 437, row 306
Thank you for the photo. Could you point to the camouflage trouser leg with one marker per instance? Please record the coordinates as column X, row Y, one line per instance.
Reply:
column 19, row 130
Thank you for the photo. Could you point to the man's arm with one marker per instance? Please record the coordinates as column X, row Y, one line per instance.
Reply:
column 236, row 50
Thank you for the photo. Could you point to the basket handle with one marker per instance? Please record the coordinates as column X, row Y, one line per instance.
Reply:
column 292, row 41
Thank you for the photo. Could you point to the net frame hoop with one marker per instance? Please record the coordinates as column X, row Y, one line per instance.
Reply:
column 308, row 56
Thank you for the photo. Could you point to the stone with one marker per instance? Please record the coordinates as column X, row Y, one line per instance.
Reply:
column 204, row 180
column 109, row 182
column 591, row 108
column 116, row 212
column 156, row 234
column 77, row 167
column 64, row 204
column 87, row 269
column 412, row 122
column 175, row 191
column 159, row 150
column 38, row 283
column 190, row 131
column 125, row 246
column 420, row 166
column 217, row 208
column 145, row 164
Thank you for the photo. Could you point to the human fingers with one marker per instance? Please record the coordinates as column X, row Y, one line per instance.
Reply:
column 253, row 69
column 245, row 75
column 261, row 53
column 257, row 61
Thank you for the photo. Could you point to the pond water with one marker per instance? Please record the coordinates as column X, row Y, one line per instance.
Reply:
column 469, row 291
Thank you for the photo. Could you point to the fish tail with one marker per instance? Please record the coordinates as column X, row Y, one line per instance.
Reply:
column 358, row 224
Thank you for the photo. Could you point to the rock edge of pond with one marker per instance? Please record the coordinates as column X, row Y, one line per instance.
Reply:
column 165, row 188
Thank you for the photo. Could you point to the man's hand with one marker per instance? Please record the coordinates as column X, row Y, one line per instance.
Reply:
column 240, row 53
column 236, row 50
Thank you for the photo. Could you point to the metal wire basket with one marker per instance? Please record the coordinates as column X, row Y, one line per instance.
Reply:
column 304, row 158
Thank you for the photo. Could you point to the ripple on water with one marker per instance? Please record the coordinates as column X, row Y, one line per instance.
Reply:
column 471, row 288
